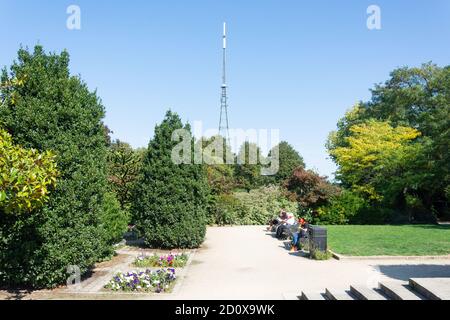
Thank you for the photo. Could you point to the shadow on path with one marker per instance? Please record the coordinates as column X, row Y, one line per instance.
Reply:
column 404, row 272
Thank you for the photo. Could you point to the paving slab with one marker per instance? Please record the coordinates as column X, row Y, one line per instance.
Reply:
column 332, row 294
column 432, row 288
column 307, row 295
column 399, row 291
column 366, row 293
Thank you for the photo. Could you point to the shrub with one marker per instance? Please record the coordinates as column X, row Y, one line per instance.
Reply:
column 375, row 214
column 252, row 208
column 226, row 209
column 309, row 189
column 170, row 199
column 25, row 176
column 114, row 219
column 321, row 255
column 52, row 110
column 342, row 208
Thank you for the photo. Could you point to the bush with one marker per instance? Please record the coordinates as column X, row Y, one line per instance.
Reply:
column 321, row 255
column 226, row 209
column 256, row 207
column 25, row 176
column 51, row 110
column 309, row 189
column 114, row 219
column 375, row 214
column 170, row 200
column 342, row 208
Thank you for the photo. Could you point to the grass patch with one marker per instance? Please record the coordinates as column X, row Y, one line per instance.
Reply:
column 390, row 240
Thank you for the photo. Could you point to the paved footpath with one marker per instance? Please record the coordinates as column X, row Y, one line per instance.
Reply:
column 249, row 263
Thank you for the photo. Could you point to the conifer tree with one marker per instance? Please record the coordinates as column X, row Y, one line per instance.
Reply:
column 170, row 199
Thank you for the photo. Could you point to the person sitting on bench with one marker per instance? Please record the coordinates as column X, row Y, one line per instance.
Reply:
column 275, row 222
column 302, row 233
column 286, row 223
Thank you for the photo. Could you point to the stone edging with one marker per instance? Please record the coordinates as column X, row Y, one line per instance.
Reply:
column 181, row 276
column 344, row 257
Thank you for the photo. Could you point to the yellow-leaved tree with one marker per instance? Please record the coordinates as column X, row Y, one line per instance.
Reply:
column 373, row 151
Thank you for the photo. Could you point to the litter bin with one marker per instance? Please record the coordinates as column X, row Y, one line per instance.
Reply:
column 317, row 239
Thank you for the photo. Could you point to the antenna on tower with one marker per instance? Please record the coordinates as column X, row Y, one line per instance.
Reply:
column 223, row 123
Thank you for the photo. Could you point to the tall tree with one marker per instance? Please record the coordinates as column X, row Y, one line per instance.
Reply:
column 170, row 199
column 123, row 168
column 418, row 98
column 377, row 150
column 52, row 110
column 289, row 159
column 220, row 173
column 248, row 167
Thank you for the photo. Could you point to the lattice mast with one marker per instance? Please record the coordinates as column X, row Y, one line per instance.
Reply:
column 223, row 123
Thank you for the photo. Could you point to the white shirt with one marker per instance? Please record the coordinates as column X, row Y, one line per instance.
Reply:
column 291, row 219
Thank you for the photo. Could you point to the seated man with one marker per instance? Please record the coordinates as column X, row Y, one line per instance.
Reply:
column 275, row 222
column 286, row 223
column 297, row 236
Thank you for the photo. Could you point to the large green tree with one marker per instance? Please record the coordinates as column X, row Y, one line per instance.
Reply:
column 289, row 159
column 170, row 199
column 52, row 110
column 418, row 98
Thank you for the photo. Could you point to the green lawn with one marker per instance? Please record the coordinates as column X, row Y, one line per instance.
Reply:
column 404, row 240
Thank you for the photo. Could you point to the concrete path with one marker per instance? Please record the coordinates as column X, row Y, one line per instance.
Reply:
column 249, row 263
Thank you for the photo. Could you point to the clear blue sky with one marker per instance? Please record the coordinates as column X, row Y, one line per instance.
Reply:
column 293, row 65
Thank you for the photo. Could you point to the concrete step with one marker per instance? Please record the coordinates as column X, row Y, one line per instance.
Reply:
column 311, row 296
column 338, row 295
column 365, row 293
column 399, row 291
column 291, row 296
column 432, row 288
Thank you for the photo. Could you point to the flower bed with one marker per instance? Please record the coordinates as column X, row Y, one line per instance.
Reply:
column 171, row 260
column 158, row 281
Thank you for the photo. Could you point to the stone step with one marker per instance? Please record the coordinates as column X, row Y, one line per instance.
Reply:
column 365, row 293
column 291, row 296
column 399, row 291
column 311, row 296
column 338, row 295
column 432, row 288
